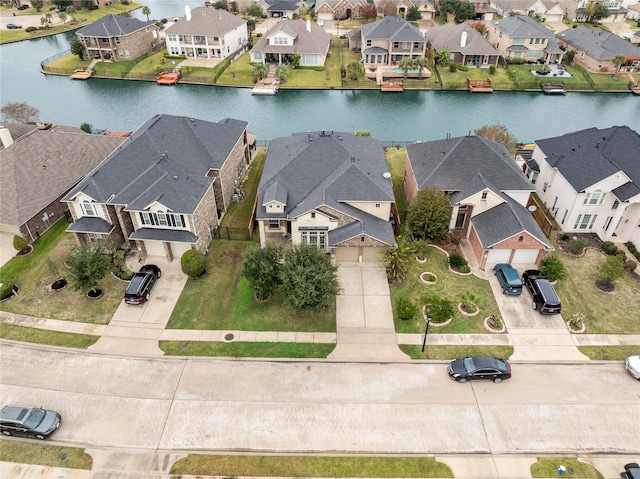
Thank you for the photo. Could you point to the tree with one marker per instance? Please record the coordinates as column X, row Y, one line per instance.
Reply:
column 87, row 266
column 442, row 56
column 251, row 25
column 389, row 9
column 461, row 9
column 63, row 16
column 77, row 48
column 398, row 260
column 233, row 7
column 46, row 20
column 37, row 4
column 429, row 214
column 569, row 56
column 146, row 11
column 308, row 278
column 20, row 112
column 259, row 71
column 295, row 60
column 481, row 28
column 125, row 14
column 86, row 127
column 618, row 61
column 282, row 72
column 72, row 12
column 193, row 263
column 255, row 11
column 221, row 5
column 600, row 12
column 20, row 244
column 610, row 270
column 413, row 14
column 553, row 268
column 261, row 267
column 362, row 133
column 353, row 69
column 369, row 12
column 499, row 134
column 405, row 65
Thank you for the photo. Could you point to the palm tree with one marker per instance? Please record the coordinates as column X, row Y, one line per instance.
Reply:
column 282, row 72
column 618, row 61
column 442, row 56
column 146, row 11
column 406, row 64
column 353, row 68
column 260, row 71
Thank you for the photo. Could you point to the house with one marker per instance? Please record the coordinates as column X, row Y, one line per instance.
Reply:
column 207, row 33
column 521, row 37
column 633, row 11
column 484, row 10
column 288, row 37
column 328, row 189
column 280, row 8
column 545, row 10
column 590, row 181
column 165, row 188
column 387, row 41
column 425, row 7
column 617, row 13
column 117, row 38
column 488, row 193
column 595, row 49
column 465, row 44
column 328, row 10
column 40, row 164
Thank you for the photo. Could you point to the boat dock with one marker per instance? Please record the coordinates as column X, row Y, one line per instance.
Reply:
column 394, row 86
column 82, row 74
column 479, row 86
column 267, row 86
column 553, row 89
column 169, row 78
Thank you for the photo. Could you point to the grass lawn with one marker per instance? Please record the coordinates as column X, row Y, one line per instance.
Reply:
column 310, row 466
column 609, row 353
column 458, row 79
column 44, row 454
column 396, row 158
column 448, row 286
column 247, row 349
column 239, row 214
column 33, row 276
column 548, row 467
column 452, row 352
column 44, row 336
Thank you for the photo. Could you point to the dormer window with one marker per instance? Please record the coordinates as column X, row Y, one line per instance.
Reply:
column 88, row 209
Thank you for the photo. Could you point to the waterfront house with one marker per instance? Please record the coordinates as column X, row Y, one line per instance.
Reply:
column 206, row 32
column 40, row 164
column 465, row 44
column 590, row 181
column 329, row 10
column 280, row 8
column 617, row 13
column 488, row 193
column 328, row 189
column 116, row 38
column 164, row 190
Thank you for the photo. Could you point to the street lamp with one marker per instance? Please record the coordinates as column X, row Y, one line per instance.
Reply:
column 426, row 331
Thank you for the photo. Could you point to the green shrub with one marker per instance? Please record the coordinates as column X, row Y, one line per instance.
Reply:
column 578, row 246
column 462, row 68
column 405, row 308
column 440, row 309
column 6, row 290
column 633, row 250
column 453, row 67
column 456, row 261
column 492, row 70
column 565, row 237
column 553, row 268
column 193, row 263
column 609, row 248
column 20, row 244
column 31, row 29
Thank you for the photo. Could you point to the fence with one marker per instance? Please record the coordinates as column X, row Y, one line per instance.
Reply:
column 236, row 234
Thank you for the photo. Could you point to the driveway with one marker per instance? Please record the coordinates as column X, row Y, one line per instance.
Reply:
column 7, row 251
column 26, row 18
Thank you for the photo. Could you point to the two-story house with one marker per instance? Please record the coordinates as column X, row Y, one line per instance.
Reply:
column 206, row 32
column 546, row 10
column 165, row 188
column 328, row 189
column 617, row 13
column 117, row 38
column 387, row 41
column 590, row 181
column 484, row 10
column 328, row 10
column 288, row 37
column 425, row 7
column 465, row 44
column 521, row 37
column 488, row 194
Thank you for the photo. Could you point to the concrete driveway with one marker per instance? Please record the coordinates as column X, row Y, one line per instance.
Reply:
column 7, row 251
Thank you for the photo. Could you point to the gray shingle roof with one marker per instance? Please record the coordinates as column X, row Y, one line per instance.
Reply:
column 327, row 170
column 451, row 164
column 450, row 35
column 42, row 165
column 521, row 26
column 588, row 156
column 598, row 43
column 316, row 41
column 167, row 160
column 113, row 26
column 206, row 21
column 88, row 224
column 392, row 28
column 169, row 235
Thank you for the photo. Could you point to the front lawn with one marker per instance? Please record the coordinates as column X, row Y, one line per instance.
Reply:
column 458, row 79
column 44, row 455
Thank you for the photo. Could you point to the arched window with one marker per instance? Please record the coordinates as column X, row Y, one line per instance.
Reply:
column 88, row 209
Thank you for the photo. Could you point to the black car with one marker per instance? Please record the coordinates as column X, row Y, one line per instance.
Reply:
column 29, row 421
column 631, row 471
column 22, row 6
column 141, row 284
column 544, row 297
column 467, row 369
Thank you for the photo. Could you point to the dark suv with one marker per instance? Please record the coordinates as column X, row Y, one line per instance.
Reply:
column 545, row 299
column 141, row 284
column 508, row 278
column 29, row 421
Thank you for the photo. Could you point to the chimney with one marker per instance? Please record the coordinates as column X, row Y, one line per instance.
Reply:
column 187, row 12
column 463, row 40
column 309, row 26
column 5, row 136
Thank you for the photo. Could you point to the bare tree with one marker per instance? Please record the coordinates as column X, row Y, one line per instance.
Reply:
column 499, row 134
column 20, row 112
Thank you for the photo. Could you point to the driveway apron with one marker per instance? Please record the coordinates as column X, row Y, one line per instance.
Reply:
column 364, row 318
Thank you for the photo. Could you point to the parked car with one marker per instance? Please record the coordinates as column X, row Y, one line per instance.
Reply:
column 29, row 421
column 13, row 26
column 632, row 363
column 508, row 278
column 22, row 6
column 467, row 369
column 631, row 471
column 544, row 297
column 141, row 284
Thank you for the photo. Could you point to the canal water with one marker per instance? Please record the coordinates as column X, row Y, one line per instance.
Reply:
column 121, row 105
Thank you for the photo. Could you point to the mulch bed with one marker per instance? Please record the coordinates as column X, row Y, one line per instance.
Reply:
column 592, row 239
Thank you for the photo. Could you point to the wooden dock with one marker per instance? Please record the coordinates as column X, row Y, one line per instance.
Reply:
column 550, row 89
column 392, row 86
column 82, row 74
column 269, row 85
column 479, row 86
column 169, row 78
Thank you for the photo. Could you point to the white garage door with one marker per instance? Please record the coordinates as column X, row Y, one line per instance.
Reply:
column 154, row 248
column 327, row 17
column 345, row 254
column 525, row 256
column 371, row 255
column 178, row 249
column 498, row 256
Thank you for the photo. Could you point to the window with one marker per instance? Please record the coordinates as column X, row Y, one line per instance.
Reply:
column 279, row 41
column 314, row 238
column 274, row 224
column 88, row 209
column 368, row 43
column 564, row 216
column 361, row 239
column 93, row 237
column 145, row 218
column 396, row 44
column 520, row 239
column 172, row 38
column 406, row 45
column 484, row 195
column 585, row 222
column 313, row 215
column 416, row 45
column 595, row 198
column 544, row 187
column 104, row 40
column 162, row 219
column 377, row 205
column 117, row 40
column 615, row 205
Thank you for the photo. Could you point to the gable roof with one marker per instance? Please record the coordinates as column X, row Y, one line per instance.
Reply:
column 313, row 41
column 588, row 156
column 598, row 43
column 452, row 164
column 43, row 164
column 327, row 170
column 450, row 35
column 392, row 28
column 207, row 21
column 521, row 26
column 114, row 26
column 165, row 160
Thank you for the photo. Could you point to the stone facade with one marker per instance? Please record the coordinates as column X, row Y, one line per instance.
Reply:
column 204, row 220
column 230, row 174
column 123, row 48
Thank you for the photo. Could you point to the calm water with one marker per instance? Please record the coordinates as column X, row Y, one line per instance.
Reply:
column 120, row 105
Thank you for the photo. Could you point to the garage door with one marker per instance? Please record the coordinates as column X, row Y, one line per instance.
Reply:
column 371, row 255
column 327, row 17
column 178, row 249
column 498, row 256
column 154, row 248
column 525, row 256
column 345, row 254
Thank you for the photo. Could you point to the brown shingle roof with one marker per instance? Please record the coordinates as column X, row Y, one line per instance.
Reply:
column 206, row 21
